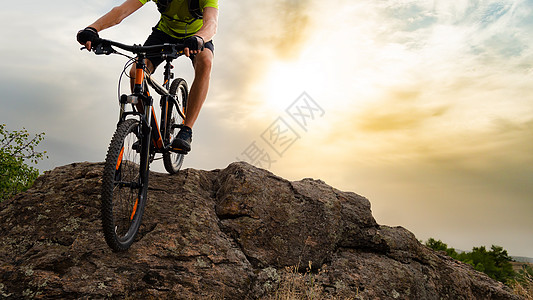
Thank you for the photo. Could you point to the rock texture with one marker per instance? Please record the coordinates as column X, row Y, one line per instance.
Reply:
column 222, row 234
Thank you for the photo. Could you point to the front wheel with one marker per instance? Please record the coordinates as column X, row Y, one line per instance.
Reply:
column 123, row 190
column 172, row 160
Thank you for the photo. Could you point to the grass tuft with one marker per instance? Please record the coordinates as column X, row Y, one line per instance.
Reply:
column 523, row 285
column 297, row 285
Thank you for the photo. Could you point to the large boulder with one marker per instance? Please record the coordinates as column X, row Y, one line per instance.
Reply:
column 235, row 233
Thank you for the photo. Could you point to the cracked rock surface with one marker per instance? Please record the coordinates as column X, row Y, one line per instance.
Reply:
column 222, row 234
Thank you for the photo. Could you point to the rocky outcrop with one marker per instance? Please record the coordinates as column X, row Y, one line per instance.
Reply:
column 222, row 234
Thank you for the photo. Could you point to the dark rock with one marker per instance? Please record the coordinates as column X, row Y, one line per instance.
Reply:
column 228, row 233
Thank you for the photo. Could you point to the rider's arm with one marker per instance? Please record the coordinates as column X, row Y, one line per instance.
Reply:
column 116, row 15
column 210, row 19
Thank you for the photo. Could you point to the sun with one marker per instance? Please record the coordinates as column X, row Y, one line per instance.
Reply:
column 285, row 80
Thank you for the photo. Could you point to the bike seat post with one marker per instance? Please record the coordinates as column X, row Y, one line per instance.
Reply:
column 168, row 73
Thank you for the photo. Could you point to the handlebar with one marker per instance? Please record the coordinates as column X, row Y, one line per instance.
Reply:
column 103, row 46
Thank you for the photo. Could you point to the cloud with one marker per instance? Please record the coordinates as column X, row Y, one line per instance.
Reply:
column 427, row 103
column 397, row 113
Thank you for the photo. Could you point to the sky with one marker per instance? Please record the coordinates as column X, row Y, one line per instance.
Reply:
column 424, row 107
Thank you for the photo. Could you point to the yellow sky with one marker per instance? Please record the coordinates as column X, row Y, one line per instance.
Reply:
column 424, row 107
column 427, row 108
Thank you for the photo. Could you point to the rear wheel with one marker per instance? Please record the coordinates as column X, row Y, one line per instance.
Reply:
column 123, row 192
column 173, row 160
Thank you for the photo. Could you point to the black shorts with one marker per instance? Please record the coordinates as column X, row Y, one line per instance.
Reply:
column 158, row 37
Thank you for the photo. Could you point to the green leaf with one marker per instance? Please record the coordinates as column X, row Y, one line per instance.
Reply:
column 16, row 149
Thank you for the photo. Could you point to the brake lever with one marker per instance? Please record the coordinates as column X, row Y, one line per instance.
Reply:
column 103, row 48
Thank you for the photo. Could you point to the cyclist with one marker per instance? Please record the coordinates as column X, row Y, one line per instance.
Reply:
column 191, row 22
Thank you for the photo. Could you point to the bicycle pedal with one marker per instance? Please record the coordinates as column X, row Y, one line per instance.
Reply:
column 174, row 126
column 179, row 151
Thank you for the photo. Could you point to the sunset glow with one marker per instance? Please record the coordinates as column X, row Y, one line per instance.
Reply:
column 428, row 104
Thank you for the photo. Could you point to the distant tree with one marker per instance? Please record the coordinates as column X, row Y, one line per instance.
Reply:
column 496, row 263
column 436, row 245
column 17, row 149
column 503, row 270
column 440, row 246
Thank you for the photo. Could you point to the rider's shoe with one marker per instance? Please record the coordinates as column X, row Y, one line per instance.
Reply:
column 182, row 142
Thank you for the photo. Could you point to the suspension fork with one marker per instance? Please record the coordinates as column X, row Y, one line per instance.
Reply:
column 144, row 107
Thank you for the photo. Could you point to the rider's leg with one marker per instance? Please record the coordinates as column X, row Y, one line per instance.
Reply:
column 202, row 62
column 198, row 93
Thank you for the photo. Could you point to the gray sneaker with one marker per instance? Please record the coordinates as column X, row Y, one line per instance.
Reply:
column 182, row 142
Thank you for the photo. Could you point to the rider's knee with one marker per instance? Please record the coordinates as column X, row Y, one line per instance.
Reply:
column 204, row 62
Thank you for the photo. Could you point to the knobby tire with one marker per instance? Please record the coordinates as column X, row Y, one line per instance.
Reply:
column 172, row 160
column 123, row 192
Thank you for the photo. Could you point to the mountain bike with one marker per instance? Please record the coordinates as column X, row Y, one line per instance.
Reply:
column 138, row 138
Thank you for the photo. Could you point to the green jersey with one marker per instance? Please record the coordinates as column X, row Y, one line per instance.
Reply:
column 177, row 21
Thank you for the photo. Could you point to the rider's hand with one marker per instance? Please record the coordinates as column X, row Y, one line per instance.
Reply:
column 193, row 45
column 87, row 36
